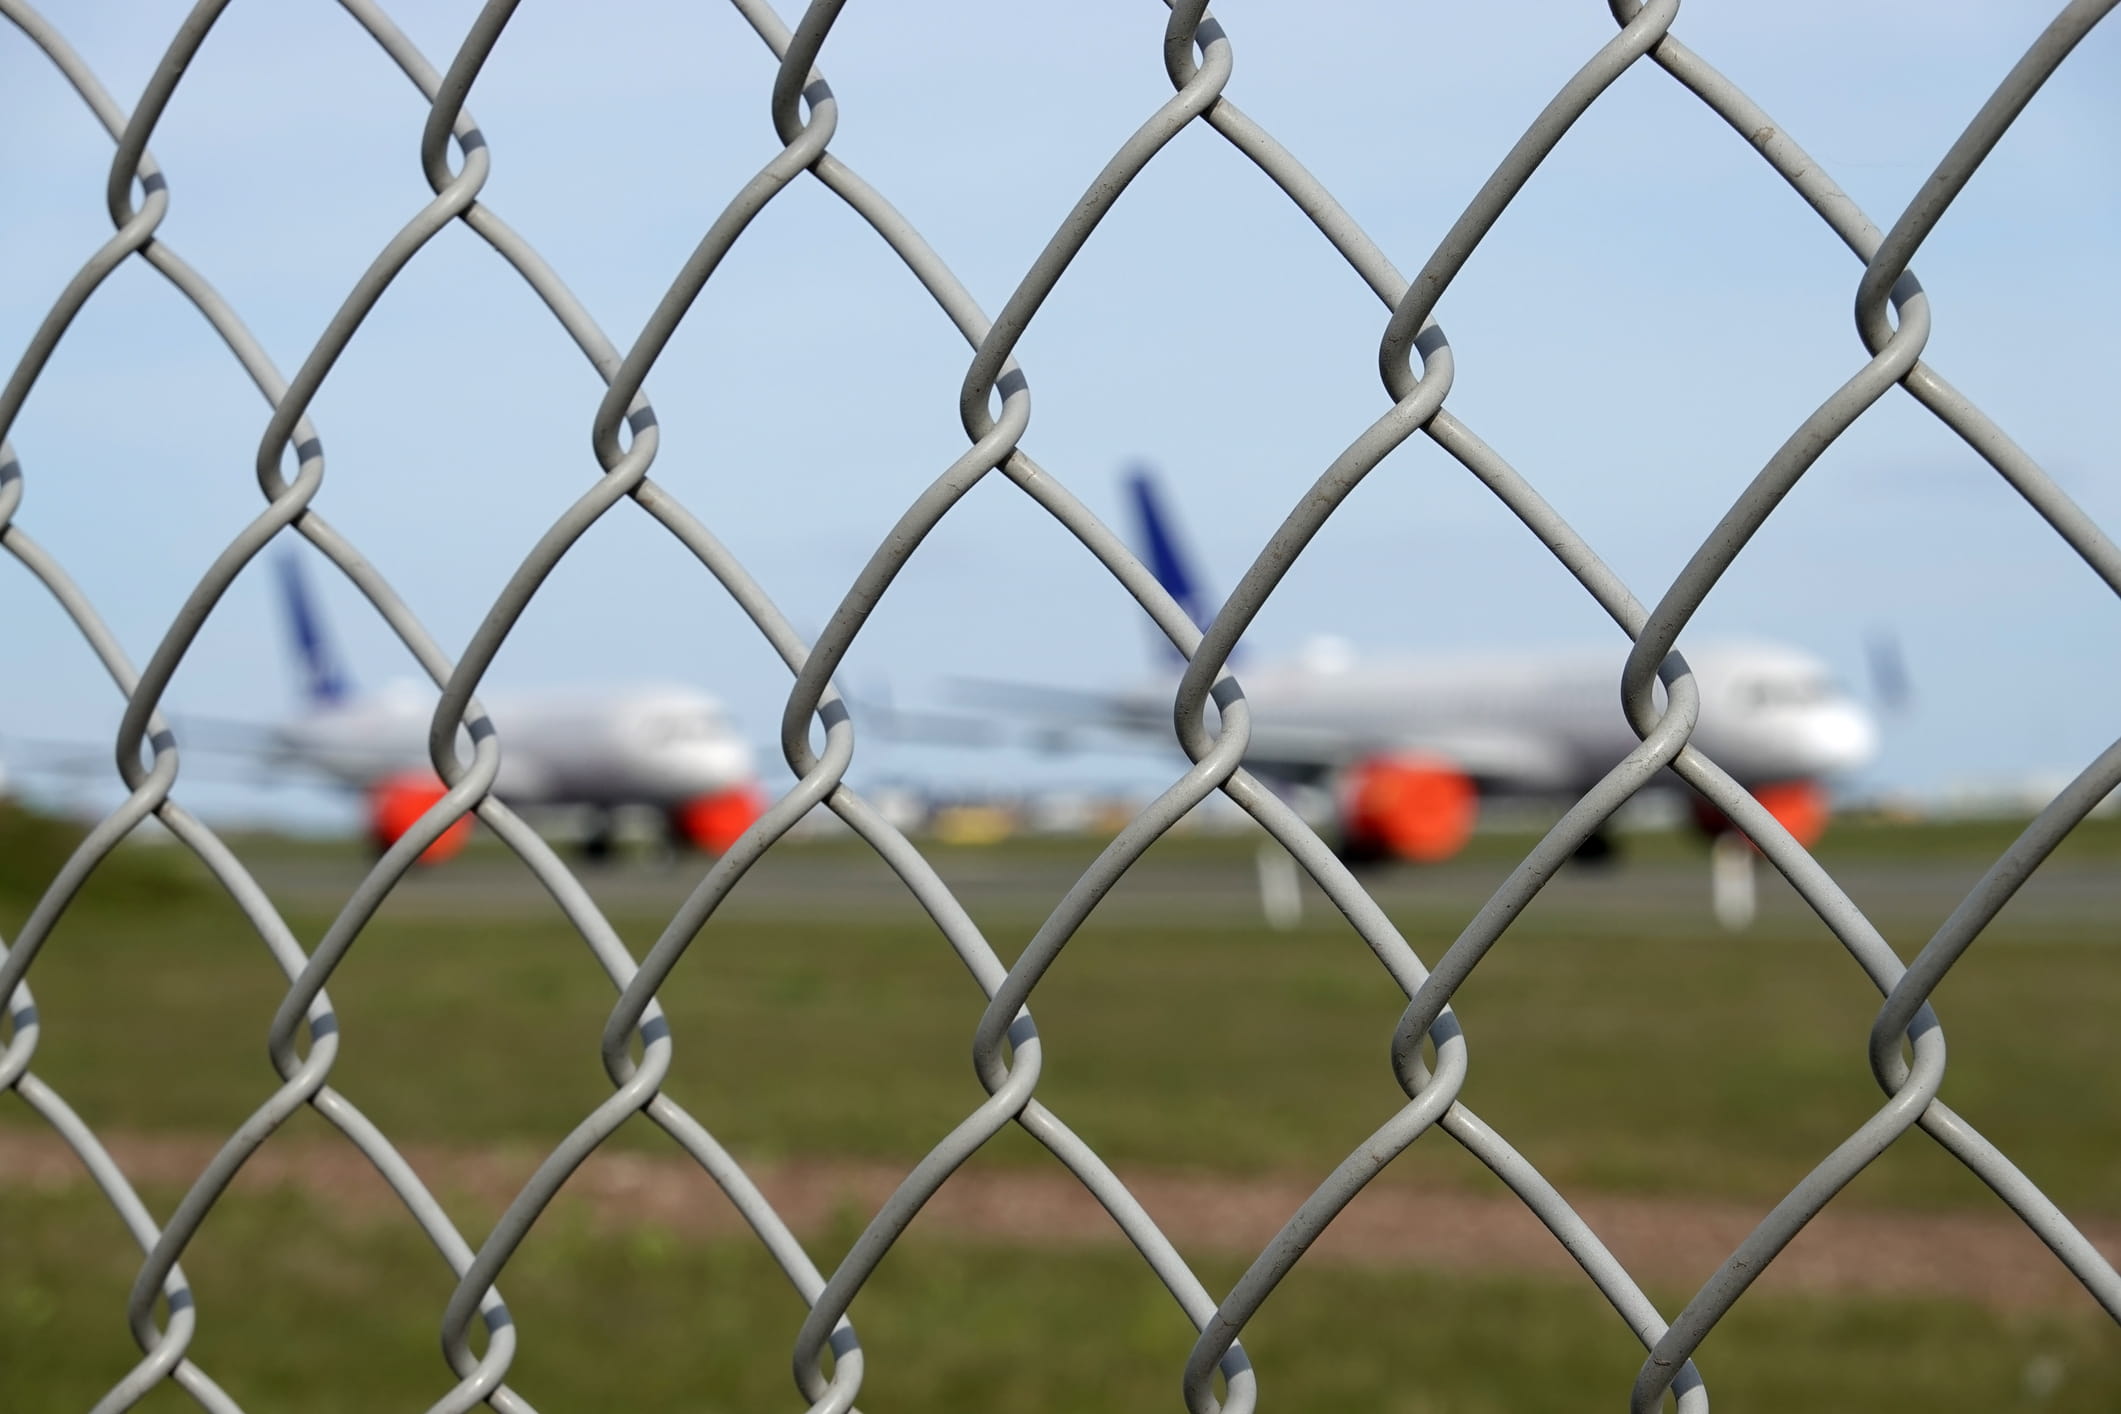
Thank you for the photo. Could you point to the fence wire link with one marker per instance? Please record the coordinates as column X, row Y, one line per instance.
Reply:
column 1416, row 367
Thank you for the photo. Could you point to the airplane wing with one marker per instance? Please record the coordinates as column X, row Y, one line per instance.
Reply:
column 1498, row 761
column 894, row 723
column 42, row 757
column 217, row 748
column 1064, row 718
column 84, row 760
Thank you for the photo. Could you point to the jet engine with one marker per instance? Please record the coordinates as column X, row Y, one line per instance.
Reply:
column 1800, row 807
column 713, row 822
column 1420, row 808
column 395, row 805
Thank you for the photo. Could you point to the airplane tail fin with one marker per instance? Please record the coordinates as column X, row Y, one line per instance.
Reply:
column 324, row 681
column 1159, row 547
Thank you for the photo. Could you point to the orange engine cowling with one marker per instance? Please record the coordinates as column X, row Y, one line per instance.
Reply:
column 396, row 804
column 1800, row 807
column 713, row 822
column 1407, row 807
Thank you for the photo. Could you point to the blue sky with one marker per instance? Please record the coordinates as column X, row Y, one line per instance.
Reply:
column 1648, row 321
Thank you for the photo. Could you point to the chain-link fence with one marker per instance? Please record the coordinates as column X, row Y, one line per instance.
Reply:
column 1415, row 364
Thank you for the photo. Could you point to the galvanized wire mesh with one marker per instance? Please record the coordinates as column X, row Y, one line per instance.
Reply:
column 1907, row 1046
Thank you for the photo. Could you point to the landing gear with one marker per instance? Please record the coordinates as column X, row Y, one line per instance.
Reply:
column 1799, row 806
column 600, row 839
column 1360, row 851
column 1600, row 851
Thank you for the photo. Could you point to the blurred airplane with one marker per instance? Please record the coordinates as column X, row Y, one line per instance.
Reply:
column 670, row 748
column 1406, row 745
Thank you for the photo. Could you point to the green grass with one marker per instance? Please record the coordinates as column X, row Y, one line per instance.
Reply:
column 1622, row 1048
column 34, row 847
column 1615, row 1037
column 1668, row 1061
column 303, row 1309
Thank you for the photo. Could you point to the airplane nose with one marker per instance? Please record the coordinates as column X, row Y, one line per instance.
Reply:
column 1844, row 737
column 725, row 761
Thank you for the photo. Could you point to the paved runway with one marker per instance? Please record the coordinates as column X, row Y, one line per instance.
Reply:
column 1661, row 889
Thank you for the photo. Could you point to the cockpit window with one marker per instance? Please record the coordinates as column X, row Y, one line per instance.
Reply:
column 678, row 730
column 1761, row 694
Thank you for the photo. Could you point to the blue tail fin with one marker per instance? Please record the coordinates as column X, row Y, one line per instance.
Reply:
column 1159, row 547
column 324, row 682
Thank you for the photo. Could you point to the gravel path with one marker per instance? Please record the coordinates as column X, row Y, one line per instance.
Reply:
column 1984, row 1257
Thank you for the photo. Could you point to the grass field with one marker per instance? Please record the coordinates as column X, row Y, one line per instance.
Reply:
column 1619, row 1040
column 641, row 1320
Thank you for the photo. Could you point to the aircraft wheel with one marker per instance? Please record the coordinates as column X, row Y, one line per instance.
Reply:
column 601, row 843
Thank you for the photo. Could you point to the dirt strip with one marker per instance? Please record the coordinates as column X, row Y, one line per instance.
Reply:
column 1985, row 1257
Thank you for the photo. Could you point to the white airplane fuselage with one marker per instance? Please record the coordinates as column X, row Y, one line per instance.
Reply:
column 650, row 745
column 1546, row 721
